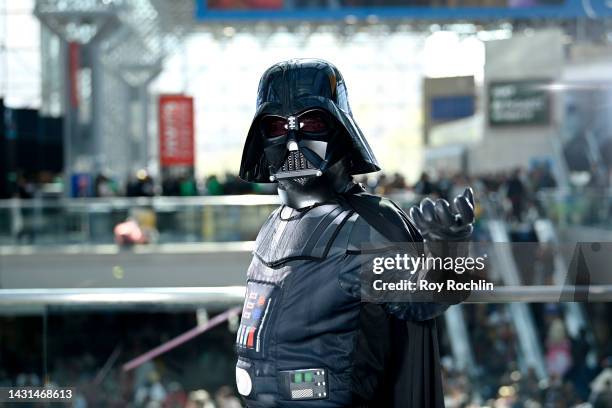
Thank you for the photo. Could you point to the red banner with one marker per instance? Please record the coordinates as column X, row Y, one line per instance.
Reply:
column 176, row 130
column 74, row 65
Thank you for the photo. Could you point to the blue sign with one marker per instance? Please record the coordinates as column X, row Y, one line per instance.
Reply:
column 237, row 10
column 444, row 108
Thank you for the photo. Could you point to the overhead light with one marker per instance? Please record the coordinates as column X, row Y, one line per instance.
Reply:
column 350, row 19
column 372, row 19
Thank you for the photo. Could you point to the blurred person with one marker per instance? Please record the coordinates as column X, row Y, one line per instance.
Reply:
column 380, row 187
column 187, row 186
column 225, row 398
column 558, row 349
column 601, row 390
column 104, row 187
column 369, row 182
column 79, row 400
column 213, row 186
column 176, row 396
column 25, row 187
column 22, row 216
column 152, row 391
column 553, row 393
column 570, row 397
column 129, row 233
column 459, row 184
column 264, row 188
column 507, row 397
column 139, row 228
column 544, row 267
column 457, row 391
column 598, row 177
column 579, row 373
column 305, row 338
column 529, row 386
column 445, row 184
column 516, row 194
column 397, row 184
column 200, row 399
column 542, row 178
column 171, row 186
column 424, row 186
column 18, row 217
column 235, row 185
column 27, row 380
column 141, row 373
column 141, row 185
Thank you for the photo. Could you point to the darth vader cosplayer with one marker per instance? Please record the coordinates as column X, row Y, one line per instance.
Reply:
column 305, row 338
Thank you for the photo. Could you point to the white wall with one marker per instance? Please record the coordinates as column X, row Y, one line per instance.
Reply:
column 20, row 69
column 509, row 149
column 533, row 55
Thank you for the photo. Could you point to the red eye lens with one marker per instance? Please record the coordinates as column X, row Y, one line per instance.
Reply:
column 274, row 127
column 313, row 122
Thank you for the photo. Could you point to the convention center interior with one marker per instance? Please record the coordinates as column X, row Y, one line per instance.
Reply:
column 127, row 224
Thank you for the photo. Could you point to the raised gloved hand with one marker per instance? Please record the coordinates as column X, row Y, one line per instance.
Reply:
column 438, row 221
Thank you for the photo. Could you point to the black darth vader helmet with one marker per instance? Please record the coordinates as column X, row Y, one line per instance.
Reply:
column 303, row 125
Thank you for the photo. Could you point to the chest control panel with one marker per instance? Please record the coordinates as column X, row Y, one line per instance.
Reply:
column 304, row 384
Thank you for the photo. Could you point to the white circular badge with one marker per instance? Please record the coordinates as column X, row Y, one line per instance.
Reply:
column 243, row 381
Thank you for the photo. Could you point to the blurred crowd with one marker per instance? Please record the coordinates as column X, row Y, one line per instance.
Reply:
column 143, row 185
column 515, row 191
column 199, row 374
column 517, row 187
column 579, row 367
column 150, row 392
column 140, row 184
column 513, row 195
column 517, row 184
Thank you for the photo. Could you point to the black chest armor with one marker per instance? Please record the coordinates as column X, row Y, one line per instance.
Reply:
column 301, row 341
column 296, row 347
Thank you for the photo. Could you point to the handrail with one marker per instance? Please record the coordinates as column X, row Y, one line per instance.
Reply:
column 157, row 201
column 230, row 295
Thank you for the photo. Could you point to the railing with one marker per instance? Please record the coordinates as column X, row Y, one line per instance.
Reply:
column 226, row 218
column 166, row 219
column 585, row 207
column 233, row 295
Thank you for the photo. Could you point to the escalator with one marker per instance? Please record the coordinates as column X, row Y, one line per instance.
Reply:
column 574, row 315
column 468, row 325
column 531, row 355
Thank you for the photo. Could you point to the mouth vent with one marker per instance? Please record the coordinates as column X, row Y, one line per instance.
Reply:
column 296, row 161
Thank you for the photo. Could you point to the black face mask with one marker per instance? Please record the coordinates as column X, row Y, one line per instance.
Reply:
column 297, row 147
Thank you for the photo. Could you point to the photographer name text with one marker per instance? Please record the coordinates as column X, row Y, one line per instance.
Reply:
column 424, row 285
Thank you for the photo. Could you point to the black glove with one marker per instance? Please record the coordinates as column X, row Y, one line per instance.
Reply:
column 439, row 222
column 446, row 231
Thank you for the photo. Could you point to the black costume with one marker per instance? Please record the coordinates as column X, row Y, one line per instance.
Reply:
column 305, row 338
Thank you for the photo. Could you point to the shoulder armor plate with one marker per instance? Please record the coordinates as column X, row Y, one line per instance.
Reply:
column 300, row 235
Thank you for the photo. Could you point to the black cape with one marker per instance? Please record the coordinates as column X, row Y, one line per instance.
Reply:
column 405, row 354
